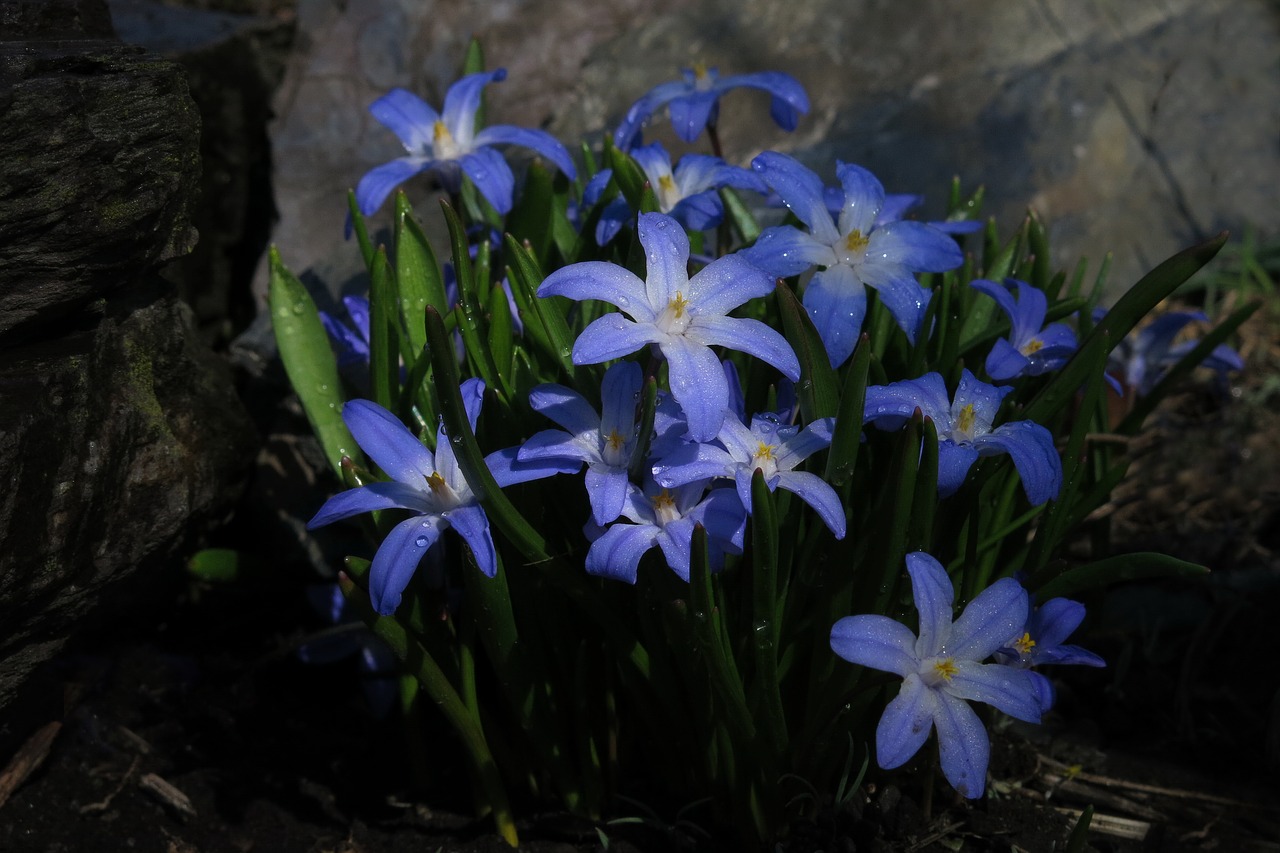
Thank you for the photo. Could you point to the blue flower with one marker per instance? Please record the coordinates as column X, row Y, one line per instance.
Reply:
column 1143, row 356
column 604, row 442
column 350, row 342
column 768, row 446
column 687, row 194
column 665, row 518
column 943, row 671
column 851, row 253
column 895, row 208
column 965, row 431
column 1041, row 641
column 694, row 102
column 431, row 486
column 449, row 145
column 1032, row 348
column 685, row 317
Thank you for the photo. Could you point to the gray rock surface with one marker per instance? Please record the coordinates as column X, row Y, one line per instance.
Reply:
column 1134, row 128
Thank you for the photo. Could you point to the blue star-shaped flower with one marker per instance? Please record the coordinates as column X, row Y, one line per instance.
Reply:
column 942, row 671
column 1032, row 348
column 694, row 102
column 684, row 317
column 773, row 449
column 431, row 486
column 449, row 145
column 851, row 253
column 965, row 431
column 665, row 518
column 1042, row 640
column 1145, row 354
column 686, row 193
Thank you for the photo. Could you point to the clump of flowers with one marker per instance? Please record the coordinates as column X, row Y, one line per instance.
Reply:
column 754, row 435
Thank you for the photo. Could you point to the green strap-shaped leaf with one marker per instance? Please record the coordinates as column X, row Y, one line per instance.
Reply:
column 627, row 174
column 1125, row 567
column 384, row 333
column 544, row 318
column 533, row 217
column 739, row 216
column 361, row 232
column 817, row 390
column 418, row 277
column 846, row 440
column 469, row 311
column 765, row 631
column 309, row 362
column 502, row 338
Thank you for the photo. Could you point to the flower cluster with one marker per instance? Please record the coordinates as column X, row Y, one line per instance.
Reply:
column 757, row 410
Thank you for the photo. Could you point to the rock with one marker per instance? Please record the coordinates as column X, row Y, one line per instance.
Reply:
column 120, row 433
column 1135, row 134
column 233, row 64
column 100, row 145
column 116, row 440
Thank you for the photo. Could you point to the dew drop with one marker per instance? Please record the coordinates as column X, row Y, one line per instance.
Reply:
column 421, row 542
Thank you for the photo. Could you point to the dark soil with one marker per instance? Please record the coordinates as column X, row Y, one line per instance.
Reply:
column 203, row 731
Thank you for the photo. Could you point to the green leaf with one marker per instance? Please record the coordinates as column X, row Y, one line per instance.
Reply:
column 361, row 232
column 418, row 277
column 739, row 216
column 223, row 565
column 817, row 389
column 502, row 337
column 544, row 317
column 470, row 313
column 846, row 439
column 309, row 362
column 384, row 333
column 533, row 217
column 627, row 174
column 1125, row 567
column 765, row 628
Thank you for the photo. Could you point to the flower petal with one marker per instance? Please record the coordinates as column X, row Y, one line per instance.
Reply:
column 889, row 406
column 607, row 491
column 814, row 491
column 697, row 382
column 666, row 253
column 379, row 181
column 995, row 614
column 863, row 197
column 489, row 171
column 613, row 336
column 1031, row 447
column 837, row 305
column 407, row 116
column 604, row 281
column 789, row 98
column 693, row 462
column 368, row 498
column 566, row 407
column 473, row 526
column 877, row 642
column 905, row 298
column 508, row 468
column 905, row 724
column 784, row 251
column 389, row 443
column 964, row 749
column 915, row 245
column 397, row 559
column 616, row 554
column 625, row 136
column 954, row 462
column 1002, row 687
column 801, row 190
column 1055, row 620
column 744, row 335
column 619, row 393
column 933, row 594
column 539, row 141
column 1005, row 362
column 462, row 102
column 690, row 113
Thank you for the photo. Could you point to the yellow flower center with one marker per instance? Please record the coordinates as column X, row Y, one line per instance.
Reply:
column 437, row 484
column 1032, row 346
column 965, row 422
column 765, row 451
column 664, row 500
column 440, row 133
column 855, row 242
column 945, row 668
column 701, row 79
column 1024, row 644
column 678, row 305
column 615, row 440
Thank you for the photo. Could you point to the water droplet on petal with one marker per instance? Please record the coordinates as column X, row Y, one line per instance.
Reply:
column 421, row 542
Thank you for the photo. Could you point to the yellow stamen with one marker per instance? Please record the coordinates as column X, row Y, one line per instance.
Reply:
column 1024, row 644
column 700, row 70
column 666, row 184
column 1032, row 346
column 765, row 451
column 965, row 423
column 855, row 242
column 437, row 483
column 615, row 440
column 440, row 133
column 946, row 668
column 678, row 305
column 664, row 500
